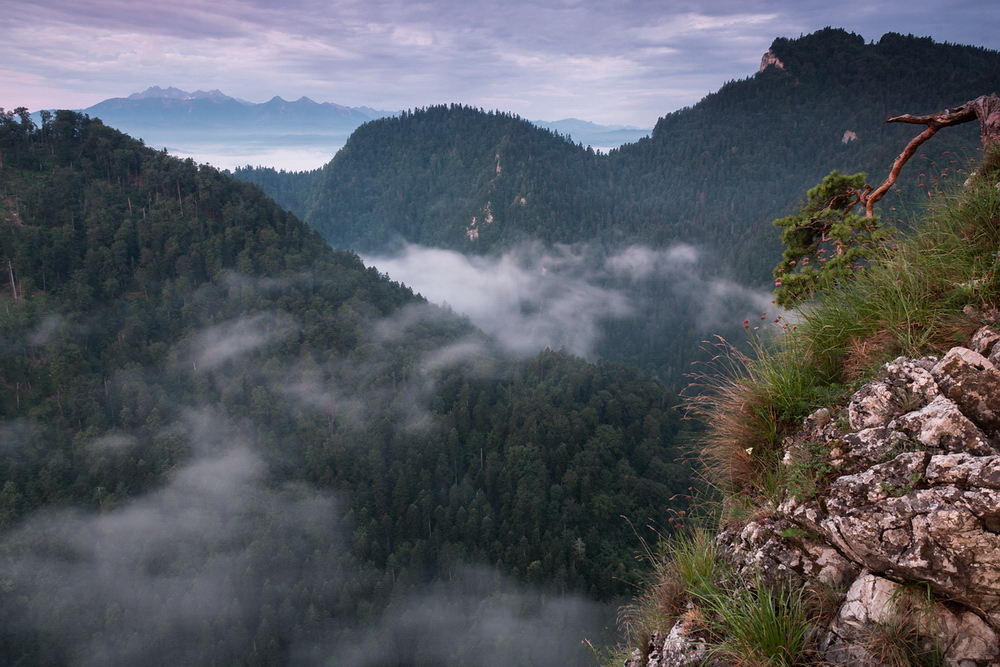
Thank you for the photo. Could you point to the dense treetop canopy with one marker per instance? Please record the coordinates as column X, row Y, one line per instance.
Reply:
column 157, row 315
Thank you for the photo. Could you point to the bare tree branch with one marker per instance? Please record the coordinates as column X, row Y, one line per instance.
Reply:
column 985, row 107
column 956, row 116
column 868, row 197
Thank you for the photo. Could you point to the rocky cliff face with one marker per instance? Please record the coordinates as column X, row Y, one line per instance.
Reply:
column 769, row 59
column 902, row 523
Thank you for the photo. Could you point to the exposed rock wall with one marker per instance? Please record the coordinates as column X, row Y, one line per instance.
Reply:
column 769, row 59
column 909, row 505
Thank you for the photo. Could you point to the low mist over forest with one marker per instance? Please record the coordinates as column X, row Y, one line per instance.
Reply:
column 226, row 437
column 216, row 427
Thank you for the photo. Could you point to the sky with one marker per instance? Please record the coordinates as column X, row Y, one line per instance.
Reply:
column 607, row 61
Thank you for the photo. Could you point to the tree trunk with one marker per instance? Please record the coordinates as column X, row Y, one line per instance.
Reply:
column 987, row 110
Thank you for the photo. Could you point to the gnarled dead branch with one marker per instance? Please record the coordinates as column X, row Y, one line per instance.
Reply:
column 985, row 107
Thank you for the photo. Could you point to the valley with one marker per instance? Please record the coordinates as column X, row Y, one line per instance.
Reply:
column 421, row 405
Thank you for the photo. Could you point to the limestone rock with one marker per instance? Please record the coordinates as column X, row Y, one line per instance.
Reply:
column 973, row 383
column 867, row 603
column 769, row 59
column 674, row 649
column 900, row 512
column 874, row 602
column 964, row 471
column 910, row 497
column 859, row 451
column 906, row 385
column 941, row 425
column 872, row 406
column 781, row 549
column 984, row 340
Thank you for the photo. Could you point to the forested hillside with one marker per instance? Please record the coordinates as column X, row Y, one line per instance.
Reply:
column 214, row 426
column 451, row 177
column 707, row 183
column 715, row 174
column 721, row 171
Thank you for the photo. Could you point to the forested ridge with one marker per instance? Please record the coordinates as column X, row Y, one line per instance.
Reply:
column 712, row 177
column 743, row 156
column 715, row 174
column 450, row 176
column 198, row 394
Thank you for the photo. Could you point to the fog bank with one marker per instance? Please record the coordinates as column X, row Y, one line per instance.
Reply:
column 597, row 304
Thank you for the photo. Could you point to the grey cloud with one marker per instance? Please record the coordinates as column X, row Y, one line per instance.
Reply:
column 350, row 389
column 396, row 328
column 163, row 568
column 189, row 19
column 216, row 345
column 111, row 443
column 479, row 618
column 719, row 302
column 351, row 403
column 455, row 354
column 45, row 330
column 188, row 573
column 181, row 574
column 22, row 439
column 357, row 389
column 638, row 262
column 531, row 298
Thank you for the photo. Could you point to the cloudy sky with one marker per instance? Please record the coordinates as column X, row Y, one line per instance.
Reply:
column 607, row 61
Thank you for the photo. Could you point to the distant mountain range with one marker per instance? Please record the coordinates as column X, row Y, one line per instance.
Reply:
column 228, row 132
column 179, row 110
column 591, row 134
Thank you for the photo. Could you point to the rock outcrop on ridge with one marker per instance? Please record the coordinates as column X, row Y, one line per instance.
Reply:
column 902, row 517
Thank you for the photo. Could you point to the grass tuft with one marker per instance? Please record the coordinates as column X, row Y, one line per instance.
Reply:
column 760, row 624
column 682, row 564
column 907, row 636
column 749, row 622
